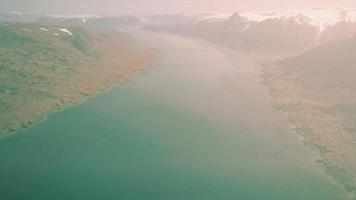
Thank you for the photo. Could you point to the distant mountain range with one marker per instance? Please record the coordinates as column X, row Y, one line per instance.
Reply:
column 282, row 31
column 271, row 31
column 18, row 17
column 91, row 21
column 112, row 21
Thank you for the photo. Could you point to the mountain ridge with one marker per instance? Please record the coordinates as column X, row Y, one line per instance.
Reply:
column 291, row 31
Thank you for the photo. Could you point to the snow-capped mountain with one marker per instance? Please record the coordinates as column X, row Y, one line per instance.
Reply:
column 320, row 18
column 292, row 30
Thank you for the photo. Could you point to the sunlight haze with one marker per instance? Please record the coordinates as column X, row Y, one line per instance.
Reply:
column 177, row 100
column 161, row 6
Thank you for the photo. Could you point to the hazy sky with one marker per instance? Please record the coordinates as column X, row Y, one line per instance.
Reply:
column 161, row 6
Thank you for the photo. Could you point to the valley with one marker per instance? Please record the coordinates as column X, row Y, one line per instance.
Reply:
column 311, row 77
column 235, row 76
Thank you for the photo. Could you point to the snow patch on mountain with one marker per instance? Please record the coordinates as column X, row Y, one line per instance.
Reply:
column 44, row 29
column 84, row 18
column 319, row 18
column 217, row 17
column 247, row 26
column 66, row 31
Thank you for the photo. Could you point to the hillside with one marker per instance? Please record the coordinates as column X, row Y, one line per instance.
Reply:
column 46, row 68
column 317, row 90
column 326, row 73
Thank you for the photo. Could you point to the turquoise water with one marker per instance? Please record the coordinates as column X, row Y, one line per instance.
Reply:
column 197, row 126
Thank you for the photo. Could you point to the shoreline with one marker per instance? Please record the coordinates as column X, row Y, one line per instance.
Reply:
column 84, row 99
column 316, row 136
column 62, row 70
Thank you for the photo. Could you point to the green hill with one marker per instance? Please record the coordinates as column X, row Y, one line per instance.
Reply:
column 45, row 68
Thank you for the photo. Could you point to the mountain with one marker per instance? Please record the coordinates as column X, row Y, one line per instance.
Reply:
column 114, row 21
column 46, row 68
column 18, row 17
column 327, row 72
column 317, row 91
column 280, row 32
column 91, row 21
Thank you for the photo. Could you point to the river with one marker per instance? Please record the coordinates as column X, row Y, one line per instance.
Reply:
column 197, row 125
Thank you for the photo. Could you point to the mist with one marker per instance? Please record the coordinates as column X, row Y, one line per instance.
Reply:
column 161, row 6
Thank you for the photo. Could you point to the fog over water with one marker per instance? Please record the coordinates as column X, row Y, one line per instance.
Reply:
column 161, row 6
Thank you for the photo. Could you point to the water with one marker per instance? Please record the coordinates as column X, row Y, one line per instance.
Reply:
column 197, row 126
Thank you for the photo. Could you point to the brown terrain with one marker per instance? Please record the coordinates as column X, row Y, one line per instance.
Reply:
column 44, row 69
